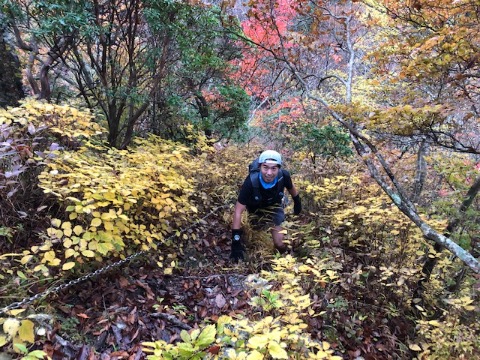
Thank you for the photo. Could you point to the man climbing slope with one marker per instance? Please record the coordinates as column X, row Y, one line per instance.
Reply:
column 262, row 194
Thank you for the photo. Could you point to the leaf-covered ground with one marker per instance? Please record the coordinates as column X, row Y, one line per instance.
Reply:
column 109, row 316
column 368, row 309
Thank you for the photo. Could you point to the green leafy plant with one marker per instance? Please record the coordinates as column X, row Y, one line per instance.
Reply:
column 281, row 336
column 193, row 345
column 267, row 300
column 329, row 142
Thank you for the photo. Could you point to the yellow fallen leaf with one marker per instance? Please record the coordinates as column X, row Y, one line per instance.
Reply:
column 15, row 312
column 415, row 347
column 10, row 326
column 25, row 332
column 255, row 355
column 276, row 351
column 3, row 340
column 88, row 253
column 68, row 265
column 96, row 222
column 258, row 341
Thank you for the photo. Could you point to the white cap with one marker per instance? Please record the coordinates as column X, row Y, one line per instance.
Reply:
column 270, row 157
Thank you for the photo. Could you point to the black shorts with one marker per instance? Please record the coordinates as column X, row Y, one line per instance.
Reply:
column 267, row 216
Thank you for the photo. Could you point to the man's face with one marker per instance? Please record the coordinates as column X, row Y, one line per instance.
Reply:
column 269, row 171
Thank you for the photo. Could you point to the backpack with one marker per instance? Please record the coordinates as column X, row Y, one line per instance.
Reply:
column 254, row 171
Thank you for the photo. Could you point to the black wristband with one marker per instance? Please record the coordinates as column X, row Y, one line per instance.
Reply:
column 237, row 234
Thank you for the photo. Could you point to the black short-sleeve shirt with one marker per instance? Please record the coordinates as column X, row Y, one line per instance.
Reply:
column 269, row 196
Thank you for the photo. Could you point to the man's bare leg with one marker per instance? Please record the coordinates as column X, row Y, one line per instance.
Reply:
column 277, row 236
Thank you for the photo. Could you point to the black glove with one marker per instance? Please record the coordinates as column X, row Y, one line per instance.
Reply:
column 237, row 247
column 297, row 204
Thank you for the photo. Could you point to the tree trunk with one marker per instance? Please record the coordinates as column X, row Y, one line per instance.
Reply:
column 430, row 263
column 11, row 90
column 421, row 172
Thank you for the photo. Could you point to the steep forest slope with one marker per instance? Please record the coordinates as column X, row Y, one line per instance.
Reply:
column 124, row 254
column 119, row 173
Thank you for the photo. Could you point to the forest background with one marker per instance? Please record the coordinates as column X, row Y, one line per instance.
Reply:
column 126, row 132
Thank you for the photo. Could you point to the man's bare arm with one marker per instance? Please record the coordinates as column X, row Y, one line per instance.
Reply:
column 237, row 215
